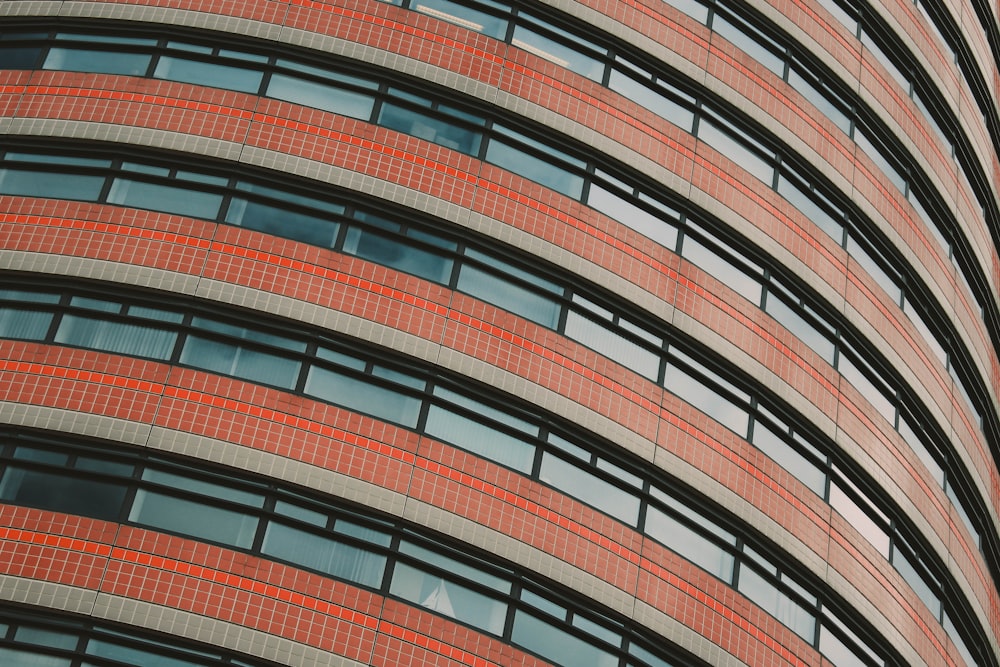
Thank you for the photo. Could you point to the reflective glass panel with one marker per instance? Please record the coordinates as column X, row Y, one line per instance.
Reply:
column 479, row 438
column 116, row 337
column 208, row 74
column 192, row 518
column 48, row 184
column 448, row 598
column 166, row 198
column 105, row 62
column 325, row 96
column 324, row 554
column 362, row 395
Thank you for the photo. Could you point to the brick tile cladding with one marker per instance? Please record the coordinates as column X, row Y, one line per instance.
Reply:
column 654, row 600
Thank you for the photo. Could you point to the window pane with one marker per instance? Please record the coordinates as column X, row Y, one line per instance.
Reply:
column 500, row 292
column 18, row 658
column 610, row 344
column 858, row 518
column 318, row 552
column 134, row 656
column 722, row 269
column 105, row 62
column 735, row 150
column 652, row 99
column 251, row 365
column 916, row 582
column 751, row 42
column 19, row 57
column 62, row 493
column 17, row 323
column 203, row 487
column 448, row 598
column 577, row 482
column 282, row 222
column 534, row 168
column 325, row 96
column 788, row 458
column 398, row 254
column 423, row 126
column 706, row 399
column 803, row 330
column 207, row 74
column 692, row 545
column 116, row 337
column 557, row 52
column 48, row 184
column 166, row 198
column 632, row 216
column 466, row 17
column 556, row 644
column 362, row 395
column 43, row 637
column 479, row 439
column 777, row 603
column 192, row 518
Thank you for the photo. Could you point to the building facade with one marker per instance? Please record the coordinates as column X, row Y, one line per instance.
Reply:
column 494, row 332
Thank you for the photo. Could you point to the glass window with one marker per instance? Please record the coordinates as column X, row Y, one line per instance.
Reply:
column 798, row 197
column 630, row 215
column 479, row 438
column 611, row 344
column 166, row 198
column 788, row 458
column 324, row 554
column 711, row 132
column 239, row 361
column 859, row 518
column 867, row 387
column 722, row 269
column 116, row 337
column 62, row 185
column 448, row 598
column 916, row 581
column 646, row 95
column 283, row 222
column 25, row 324
column 751, row 42
column 557, row 52
column 325, row 96
column 208, row 74
column 466, row 17
column 61, row 492
column 534, row 168
column 19, row 57
column 203, row 487
column 777, row 603
column 193, row 518
column 134, row 656
column 690, row 544
column 557, row 645
column 805, row 331
column 494, row 289
column 398, row 254
column 593, row 490
column 362, row 395
column 44, row 637
column 423, row 126
column 105, row 62
column 11, row 657
column 246, row 333
column 708, row 400
column 807, row 86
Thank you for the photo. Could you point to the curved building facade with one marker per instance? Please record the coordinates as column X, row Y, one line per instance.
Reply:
column 492, row 332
